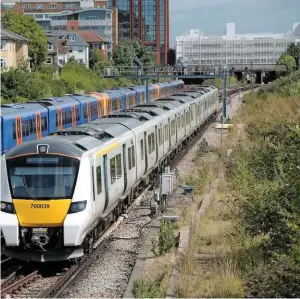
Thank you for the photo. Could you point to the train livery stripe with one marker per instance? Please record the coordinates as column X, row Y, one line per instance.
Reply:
column 19, row 130
column 37, row 213
column 107, row 149
column 38, row 125
column 59, row 116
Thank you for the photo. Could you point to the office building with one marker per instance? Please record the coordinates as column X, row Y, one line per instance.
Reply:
column 146, row 21
column 231, row 48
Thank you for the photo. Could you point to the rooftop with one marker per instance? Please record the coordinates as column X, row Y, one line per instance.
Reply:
column 90, row 36
column 8, row 35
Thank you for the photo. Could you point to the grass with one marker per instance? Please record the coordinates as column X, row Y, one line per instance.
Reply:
column 154, row 283
column 219, row 254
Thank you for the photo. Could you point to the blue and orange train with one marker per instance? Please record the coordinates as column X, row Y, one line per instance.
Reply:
column 36, row 119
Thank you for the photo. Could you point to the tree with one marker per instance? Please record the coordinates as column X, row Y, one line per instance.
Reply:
column 288, row 61
column 27, row 27
column 294, row 51
column 128, row 50
column 171, row 57
column 97, row 61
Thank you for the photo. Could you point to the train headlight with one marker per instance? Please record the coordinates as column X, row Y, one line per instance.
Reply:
column 7, row 207
column 77, row 207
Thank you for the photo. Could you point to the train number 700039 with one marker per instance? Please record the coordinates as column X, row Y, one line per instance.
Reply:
column 40, row 206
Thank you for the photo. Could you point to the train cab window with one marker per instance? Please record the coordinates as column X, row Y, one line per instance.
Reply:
column 119, row 166
column 27, row 127
column 99, row 180
column 142, row 149
column 56, row 119
column 113, row 176
column 166, row 130
column 14, row 131
column 160, row 137
column 43, row 123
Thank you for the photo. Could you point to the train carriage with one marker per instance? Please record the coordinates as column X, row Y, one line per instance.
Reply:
column 56, row 192
column 21, row 123
column 63, row 112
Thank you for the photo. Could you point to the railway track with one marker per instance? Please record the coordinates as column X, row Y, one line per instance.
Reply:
column 21, row 287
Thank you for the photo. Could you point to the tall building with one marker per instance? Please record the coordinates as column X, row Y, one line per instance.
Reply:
column 232, row 48
column 146, row 21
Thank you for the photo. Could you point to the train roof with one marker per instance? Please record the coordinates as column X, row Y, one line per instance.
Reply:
column 8, row 109
column 55, row 101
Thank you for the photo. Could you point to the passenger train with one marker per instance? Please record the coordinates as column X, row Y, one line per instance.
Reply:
column 57, row 191
column 36, row 119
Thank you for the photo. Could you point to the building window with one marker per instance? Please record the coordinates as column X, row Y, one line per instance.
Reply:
column 72, row 38
column 52, row 5
column 38, row 6
column 3, row 45
column 49, row 47
column 3, row 63
column 27, row 6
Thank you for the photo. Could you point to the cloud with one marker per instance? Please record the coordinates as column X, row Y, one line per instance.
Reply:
column 250, row 16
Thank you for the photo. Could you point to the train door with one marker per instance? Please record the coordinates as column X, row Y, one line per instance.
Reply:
column 105, row 182
column 176, row 127
column 124, row 166
column 73, row 116
column 38, row 125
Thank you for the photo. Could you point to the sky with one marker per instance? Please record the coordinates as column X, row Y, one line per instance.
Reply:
column 249, row 16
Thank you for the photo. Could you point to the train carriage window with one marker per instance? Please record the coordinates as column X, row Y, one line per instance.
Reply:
column 119, row 166
column 14, row 131
column 178, row 122
column 129, row 158
column 172, row 127
column 43, row 123
column 182, row 120
column 30, row 127
column 113, row 170
column 133, row 156
column 149, row 144
column 77, row 114
column 142, row 149
column 46, row 123
column 114, row 105
column 85, row 111
column 160, row 136
column 192, row 114
column 99, row 179
column 166, row 129
column 56, row 119
column 23, row 129
column 34, row 125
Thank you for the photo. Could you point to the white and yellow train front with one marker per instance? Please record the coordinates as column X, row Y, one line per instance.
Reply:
column 45, row 207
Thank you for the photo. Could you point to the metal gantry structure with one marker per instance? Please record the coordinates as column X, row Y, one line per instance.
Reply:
column 163, row 73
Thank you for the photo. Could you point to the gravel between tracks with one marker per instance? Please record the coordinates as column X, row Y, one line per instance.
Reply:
column 109, row 275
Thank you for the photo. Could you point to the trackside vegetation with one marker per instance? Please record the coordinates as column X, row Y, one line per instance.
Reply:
column 248, row 244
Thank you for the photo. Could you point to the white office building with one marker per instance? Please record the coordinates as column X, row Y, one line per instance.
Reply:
column 231, row 48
